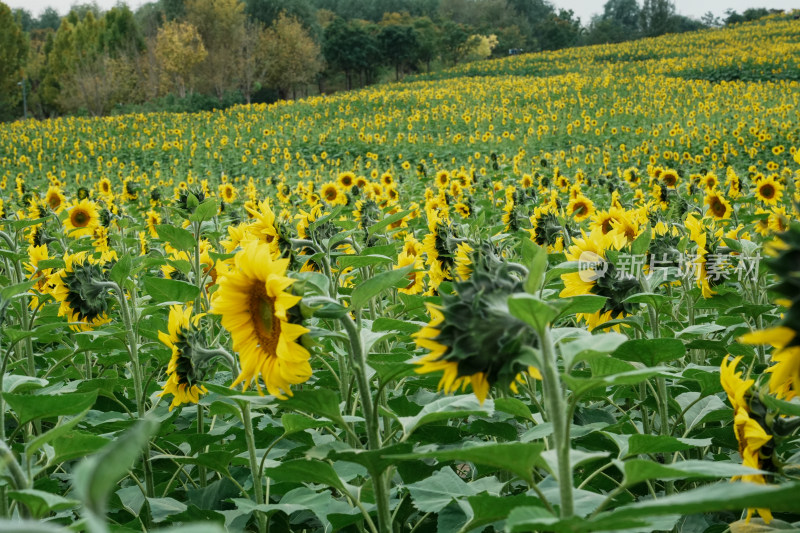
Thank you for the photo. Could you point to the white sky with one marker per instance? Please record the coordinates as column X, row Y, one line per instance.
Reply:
column 582, row 8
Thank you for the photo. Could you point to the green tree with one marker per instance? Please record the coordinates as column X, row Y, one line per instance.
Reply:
column 398, row 45
column 48, row 19
column 13, row 51
column 455, row 41
column 221, row 24
column 427, row 41
column 657, row 17
column 349, row 47
column 292, row 57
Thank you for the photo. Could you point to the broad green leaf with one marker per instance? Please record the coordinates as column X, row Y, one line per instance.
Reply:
column 375, row 461
column 9, row 292
column 19, row 384
column 589, row 346
column 205, row 211
column 709, row 407
column 434, row 493
column 649, row 298
column 161, row 508
column 647, row 444
column 581, row 385
column 393, row 324
column 513, row 406
column 535, row 312
column 41, row 503
column 650, row 352
column 306, row 471
column 517, row 457
column 640, row 245
column 293, row 423
column 444, row 409
column 584, row 303
column 164, row 290
column 700, row 330
column 321, row 402
column 61, row 429
column 96, row 477
column 387, row 221
column 75, row 445
column 638, row 470
column 708, row 498
column 785, row 408
column 121, row 270
column 534, row 258
column 359, row 261
column 487, row 508
column 373, row 286
column 31, row 407
column 177, row 237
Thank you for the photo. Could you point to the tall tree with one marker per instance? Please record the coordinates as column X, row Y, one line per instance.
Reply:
column 399, row 44
column 221, row 24
column 178, row 50
column 349, row 47
column 657, row 17
column 13, row 50
column 292, row 57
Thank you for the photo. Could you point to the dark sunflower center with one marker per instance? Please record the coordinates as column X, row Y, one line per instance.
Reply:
column 718, row 207
column 767, row 191
column 330, row 194
column 80, row 218
column 262, row 312
column 54, row 201
column 580, row 209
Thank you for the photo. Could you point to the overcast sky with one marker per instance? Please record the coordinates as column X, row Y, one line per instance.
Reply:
column 582, row 8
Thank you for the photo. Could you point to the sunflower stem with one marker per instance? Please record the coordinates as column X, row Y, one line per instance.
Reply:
column 254, row 466
column 373, row 431
column 136, row 371
column 200, row 429
column 553, row 389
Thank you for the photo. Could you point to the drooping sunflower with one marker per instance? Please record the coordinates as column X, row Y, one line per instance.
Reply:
column 785, row 337
column 600, row 276
column 78, row 286
column 83, row 217
column 473, row 339
column 254, row 305
column 768, row 190
column 753, row 438
column 182, row 381
column 416, row 278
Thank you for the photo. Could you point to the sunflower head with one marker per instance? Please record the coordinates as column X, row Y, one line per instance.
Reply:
column 183, row 338
column 473, row 337
column 189, row 199
column 82, row 218
column 81, row 288
column 255, row 304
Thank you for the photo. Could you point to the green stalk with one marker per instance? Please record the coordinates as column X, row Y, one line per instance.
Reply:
column 554, row 399
column 254, row 465
column 373, row 431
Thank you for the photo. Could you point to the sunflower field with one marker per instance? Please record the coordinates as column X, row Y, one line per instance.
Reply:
column 554, row 292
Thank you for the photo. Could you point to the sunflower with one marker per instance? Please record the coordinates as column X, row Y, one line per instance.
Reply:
column 331, row 194
column 83, row 217
column 750, row 434
column 768, row 190
column 104, row 186
column 263, row 226
column 697, row 233
column 182, row 380
column 580, row 208
column 346, row 180
column 442, row 179
column 669, row 178
column 416, row 277
column 55, row 199
column 254, row 305
column 473, row 338
column 152, row 219
column 603, row 278
column 78, row 287
column 36, row 254
column 718, row 206
column 228, row 193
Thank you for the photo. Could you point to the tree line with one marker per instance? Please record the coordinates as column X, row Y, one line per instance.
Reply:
column 186, row 55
